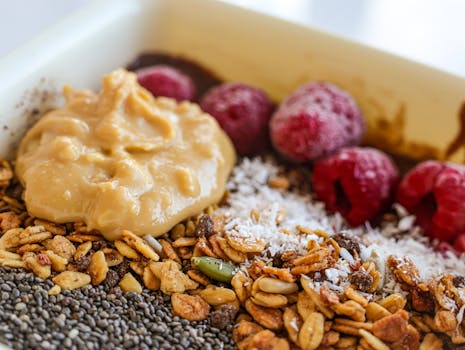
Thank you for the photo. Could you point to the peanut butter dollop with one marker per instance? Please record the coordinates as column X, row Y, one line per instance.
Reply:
column 122, row 159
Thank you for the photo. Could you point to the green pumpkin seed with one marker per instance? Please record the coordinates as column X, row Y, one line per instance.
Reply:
column 216, row 269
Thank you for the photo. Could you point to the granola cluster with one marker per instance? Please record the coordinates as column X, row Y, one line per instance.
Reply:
column 278, row 302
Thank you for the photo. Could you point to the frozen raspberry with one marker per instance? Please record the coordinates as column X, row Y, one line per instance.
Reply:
column 166, row 81
column 357, row 182
column 434, row 192
column 243, row 112
column 315, row 121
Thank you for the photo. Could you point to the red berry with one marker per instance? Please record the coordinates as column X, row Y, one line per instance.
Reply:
column 435, row 193
column 315, row 121
column 243, row 112
column 459, row 243
column 357, row 182
column 166, row 81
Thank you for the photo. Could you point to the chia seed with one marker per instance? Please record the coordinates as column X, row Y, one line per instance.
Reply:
column 104, row 319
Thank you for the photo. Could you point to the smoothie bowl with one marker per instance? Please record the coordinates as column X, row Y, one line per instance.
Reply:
column 214, row 193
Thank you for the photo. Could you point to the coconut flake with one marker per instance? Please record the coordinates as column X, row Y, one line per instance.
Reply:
column 249, row 192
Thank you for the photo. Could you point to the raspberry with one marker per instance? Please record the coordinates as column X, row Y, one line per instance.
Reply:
column 243, row 112
column 315, row 121
column 166, row 81
column 434, row 193
column 357, row 182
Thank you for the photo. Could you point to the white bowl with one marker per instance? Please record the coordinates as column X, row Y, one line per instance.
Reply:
column 411, row 109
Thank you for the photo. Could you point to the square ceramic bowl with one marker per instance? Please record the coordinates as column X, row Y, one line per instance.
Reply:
column 411, row 109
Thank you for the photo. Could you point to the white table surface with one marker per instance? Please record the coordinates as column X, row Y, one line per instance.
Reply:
column 428, row 31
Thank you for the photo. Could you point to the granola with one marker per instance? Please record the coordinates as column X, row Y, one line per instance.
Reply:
column 327, row 294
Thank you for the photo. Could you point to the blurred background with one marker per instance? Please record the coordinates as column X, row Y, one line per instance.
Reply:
column 428, row 31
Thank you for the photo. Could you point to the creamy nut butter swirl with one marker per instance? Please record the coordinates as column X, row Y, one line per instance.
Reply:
column 123, row 159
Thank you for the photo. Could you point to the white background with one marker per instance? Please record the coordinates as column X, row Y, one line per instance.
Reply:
column 428, row 31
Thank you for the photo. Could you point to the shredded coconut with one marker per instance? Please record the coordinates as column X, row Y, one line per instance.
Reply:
column 249, row 193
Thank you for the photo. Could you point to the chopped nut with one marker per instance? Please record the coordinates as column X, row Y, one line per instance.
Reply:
column 139, row 244
column 55, row 290
column 215, row 247
column 9, row 220
column 184, row 242
column 242, row 285
column 137, row 267
column 350, row 309
column 245, row 329
column 169, row 251
column 126, row 250
column 62, row 246
column 233, row 254
column 81, row 238
column 390, row 328
column 171, row 278
column 58, row 262
column 245, row 245
column 404, row 270
column 283, row 274
column 129, row 284
column 214, row 295
column 267, row 317
column 82, row 250
column 51, row 227
column 178, row 231
column 411, row 340
column 273, row 285
column 316, row 299
column 10, row 238
column 445, row 321
column 264, row 340
column 393, row 302
column 328, row 296
column 150, row 280
column 98, row 268
column 190, row 307
column 199, row 277
column 41, row 266
column 13, row 263
column 112, row 257
column 33, row 234
column 4, row 254
column 269, row 299
column 71, row 280
column 355, row 296
column 29, row 248
column 374, row 311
